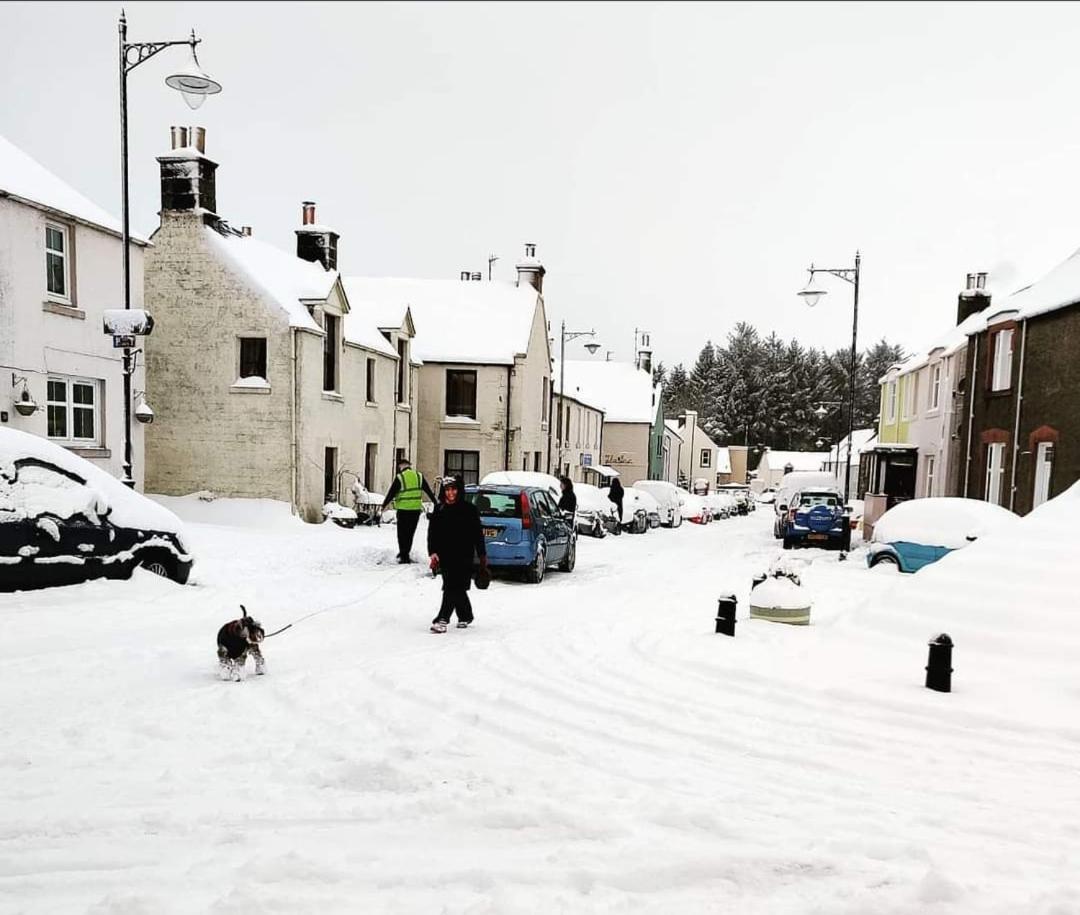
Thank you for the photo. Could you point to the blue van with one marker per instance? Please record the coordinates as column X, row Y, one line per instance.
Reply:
column 524, row 528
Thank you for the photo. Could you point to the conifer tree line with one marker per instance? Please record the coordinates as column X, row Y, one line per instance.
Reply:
column 762, row 391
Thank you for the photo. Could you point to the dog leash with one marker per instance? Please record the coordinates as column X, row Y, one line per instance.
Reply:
column 347, row 603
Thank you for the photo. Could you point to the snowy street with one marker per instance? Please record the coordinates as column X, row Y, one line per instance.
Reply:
column 590, row 745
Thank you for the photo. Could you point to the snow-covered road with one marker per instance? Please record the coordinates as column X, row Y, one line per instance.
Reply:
column 589, row 746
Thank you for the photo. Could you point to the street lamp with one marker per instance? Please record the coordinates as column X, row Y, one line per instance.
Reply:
column 812, row 294
column 194, row 85
column 592, row 347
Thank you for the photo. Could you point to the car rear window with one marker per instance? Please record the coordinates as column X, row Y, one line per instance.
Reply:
column 812, row 499
column 495, row 504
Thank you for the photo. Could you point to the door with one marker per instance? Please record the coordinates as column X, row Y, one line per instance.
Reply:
column 330, row 475
column 556, row 532
column 1044, row 465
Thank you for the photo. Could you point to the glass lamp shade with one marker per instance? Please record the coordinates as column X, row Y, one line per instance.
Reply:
column 592, row 348
column 812, row 294
column 193, row 83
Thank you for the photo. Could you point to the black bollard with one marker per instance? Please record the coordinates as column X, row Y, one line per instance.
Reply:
column 758, row 579
column 725, row 615
column 939, row 665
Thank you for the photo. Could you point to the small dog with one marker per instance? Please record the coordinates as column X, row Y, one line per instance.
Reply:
column 235, row 641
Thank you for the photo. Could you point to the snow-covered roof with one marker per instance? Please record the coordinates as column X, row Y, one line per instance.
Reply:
column 284, row 277
column 799, row 460
column 28, row 180
column 456, row 321
column 624, row 392
column 1058, row 289
column 863, row 440
column 673, row 427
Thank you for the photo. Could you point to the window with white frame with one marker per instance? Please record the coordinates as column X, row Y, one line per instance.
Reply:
column 1002, row 366
column 890, row 401
column 57, row 269
column 910, row 390
column 995, row 472
column 935, row 386
column 706, row 457
column 73, row 410
column 931, row 466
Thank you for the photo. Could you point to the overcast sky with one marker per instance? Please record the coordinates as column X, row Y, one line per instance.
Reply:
column 678, row 166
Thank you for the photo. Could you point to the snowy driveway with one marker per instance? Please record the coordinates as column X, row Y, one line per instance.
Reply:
column 590, row 746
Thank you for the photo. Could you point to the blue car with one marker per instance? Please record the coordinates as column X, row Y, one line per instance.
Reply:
column 524, row 529
column 817, row 518
column 919, row 532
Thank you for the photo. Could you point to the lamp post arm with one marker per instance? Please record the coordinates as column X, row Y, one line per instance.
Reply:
column 845, row 273
column 137, row 52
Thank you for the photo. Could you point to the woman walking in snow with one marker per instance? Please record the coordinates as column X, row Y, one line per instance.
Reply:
column 455, row 536
column 615, row 494
column 568, row 500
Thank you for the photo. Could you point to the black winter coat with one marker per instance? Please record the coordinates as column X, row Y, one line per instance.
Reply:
column 615, row 493
column 568, row 501
column 456, row 535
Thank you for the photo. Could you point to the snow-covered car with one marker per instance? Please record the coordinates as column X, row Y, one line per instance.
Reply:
column 667, row 499
column 693, row 508
column 596, row 513
column 720, row 504
column 637, row 507
column 740, row 492
column 64, row 520
column 918, row 532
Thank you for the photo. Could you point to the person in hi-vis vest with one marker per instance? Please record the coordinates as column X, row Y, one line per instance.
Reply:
column 406, row 493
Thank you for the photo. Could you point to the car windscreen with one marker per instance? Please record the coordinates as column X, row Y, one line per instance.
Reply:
column 495, row 504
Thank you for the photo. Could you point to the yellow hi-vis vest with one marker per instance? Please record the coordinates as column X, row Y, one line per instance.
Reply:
column 408, row 497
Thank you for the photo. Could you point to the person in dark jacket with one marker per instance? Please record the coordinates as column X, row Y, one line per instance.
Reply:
column 568, row 499
column 406, row 493
column 615, row 494
column 455, row 536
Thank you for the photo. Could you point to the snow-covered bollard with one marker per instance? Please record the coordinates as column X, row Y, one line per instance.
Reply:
column 725, row 615
column 939, row 664
column 780, row 600
column 758, row 579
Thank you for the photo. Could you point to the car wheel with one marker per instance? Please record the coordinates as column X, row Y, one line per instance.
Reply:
column 880, row 558
column 535, row 573
column 567, row 565
column 159, row 562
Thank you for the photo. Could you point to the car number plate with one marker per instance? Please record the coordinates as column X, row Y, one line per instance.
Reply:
column 490, row 532
column 817, row 537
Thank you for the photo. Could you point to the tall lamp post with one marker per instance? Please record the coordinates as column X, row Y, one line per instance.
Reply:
column 194, row 85
column 821, row 412
column 811, row 295
column 565, row 335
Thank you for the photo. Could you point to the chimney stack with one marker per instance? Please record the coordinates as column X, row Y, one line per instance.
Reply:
column 530, row 270
column 315, row 243
column 974, row 297
column 245, row 231
column 187, row 176
column 644, row 354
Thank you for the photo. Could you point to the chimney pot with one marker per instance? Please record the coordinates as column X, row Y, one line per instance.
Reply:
column 530, row 249
column 476, row 276
column 245, row 231
column 464, row 276
column 197, row 138
column 179, row 137
column 309, row 212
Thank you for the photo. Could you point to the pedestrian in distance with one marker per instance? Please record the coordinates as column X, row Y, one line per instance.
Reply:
column 455, row 538
column 568, row 500
column 407, row 492
column 615, row 494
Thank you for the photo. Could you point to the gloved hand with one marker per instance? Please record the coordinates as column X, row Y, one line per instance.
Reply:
column 433, row 563
column 483, row 562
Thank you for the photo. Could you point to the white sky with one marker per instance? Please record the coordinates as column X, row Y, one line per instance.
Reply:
column 678, row 166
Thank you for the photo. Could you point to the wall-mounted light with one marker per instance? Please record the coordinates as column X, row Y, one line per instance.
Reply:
column 24, row 403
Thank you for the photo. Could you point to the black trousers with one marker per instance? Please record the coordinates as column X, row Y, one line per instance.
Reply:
column 455, row 599
column 406, row 530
